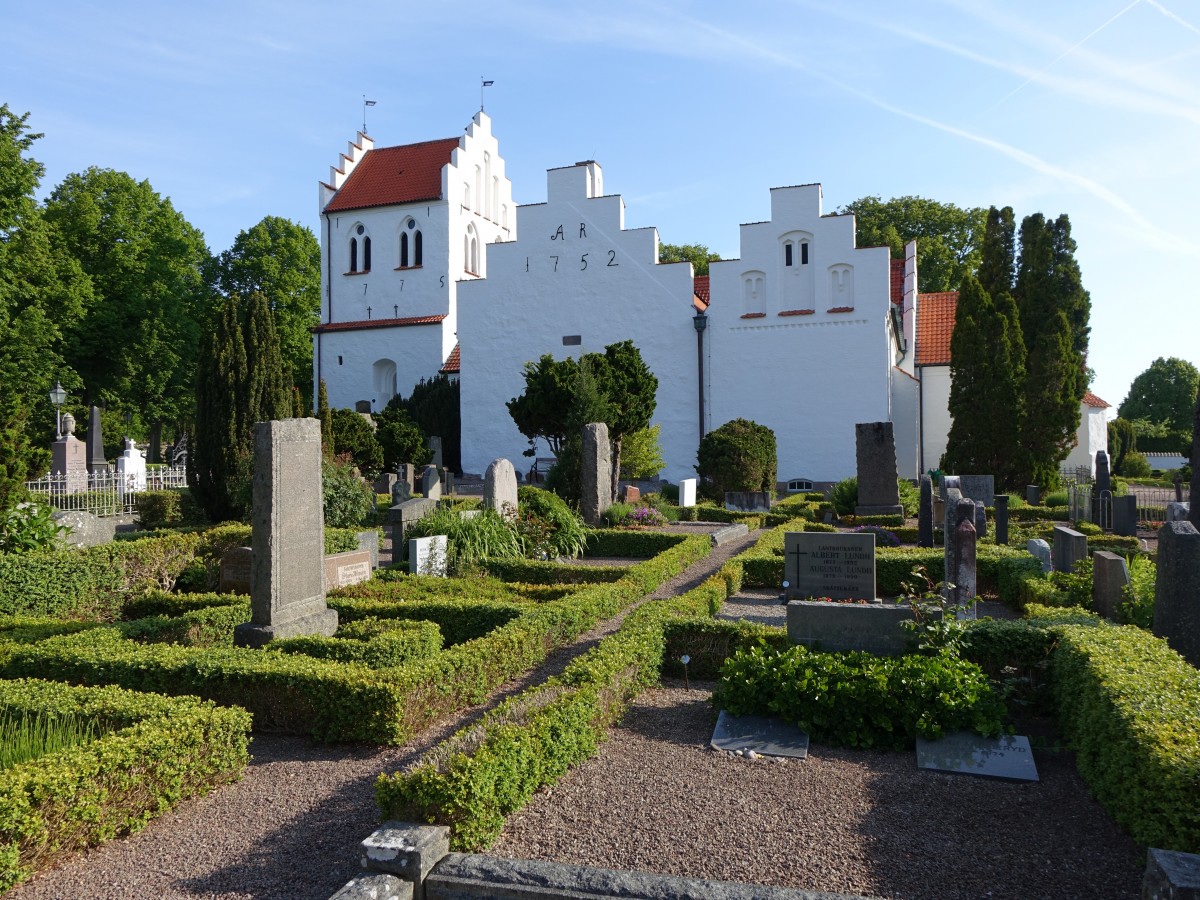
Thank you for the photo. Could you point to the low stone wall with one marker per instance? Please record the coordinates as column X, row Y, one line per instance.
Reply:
column 835, row 627
column 404, row 860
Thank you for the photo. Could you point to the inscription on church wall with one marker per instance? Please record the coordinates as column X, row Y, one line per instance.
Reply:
column 560, row 262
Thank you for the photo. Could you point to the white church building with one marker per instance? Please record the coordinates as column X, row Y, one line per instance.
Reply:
column 428, row 266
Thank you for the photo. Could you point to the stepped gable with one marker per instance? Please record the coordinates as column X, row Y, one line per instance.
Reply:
column 392, row 175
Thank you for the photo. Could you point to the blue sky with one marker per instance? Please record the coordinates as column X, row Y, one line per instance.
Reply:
column 694, row 109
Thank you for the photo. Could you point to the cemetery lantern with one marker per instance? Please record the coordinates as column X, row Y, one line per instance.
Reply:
column 58, row 396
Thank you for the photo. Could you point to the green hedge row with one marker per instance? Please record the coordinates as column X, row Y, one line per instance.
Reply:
column 157, row 751
column 377, row 644
column 457, row 620
column 1033, row 513
column 392, row 586
column 627, row 544
column 535, row 571
column 710, row 512
column 709, row 642
column 345, row 701
column 1130, row 706
column 482, row 774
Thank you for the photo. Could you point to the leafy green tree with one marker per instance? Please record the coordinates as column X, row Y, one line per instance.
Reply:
column 588, row 404
column 281, row 260
column 135, row 345
column 434, row 406
column 948, row 237
column 401, row 438
column 1122, row 440
column 738, row 456
column 1164, row 393
column 544, row 406
column 237, row 385
column 629, row 390
column 42, row 292
column 1054, row 310
column 641, row 455
column 353, row 437
column 697, row 254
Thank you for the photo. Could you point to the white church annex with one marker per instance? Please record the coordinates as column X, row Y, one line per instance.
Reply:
column 428, row 266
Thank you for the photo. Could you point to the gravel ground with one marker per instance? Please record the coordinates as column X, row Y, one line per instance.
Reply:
column 655, row 798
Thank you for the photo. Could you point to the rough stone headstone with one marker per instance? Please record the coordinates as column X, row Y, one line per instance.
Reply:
column 1177, row 589
column 1103, row 474
column 68, row 461
column 963, row 557
column 1069, row 548
column 875, row 451
column 1102, row 493
column 500, row 487
column 435, row 445
column 1041, row 550
column 131, row 467
column 368, row 541
column 925, row 513
column 431, row 483
column 1110, row 575
column 1125, row 517
column 819, row 564
column 1178, row 512
column 949, row 523
column 595, row 479
column 96, row 463
column 979, row 487
column 287, row 575
column 402, row 515
column 1178, row 488
column 1033, row 495
column 447, row 482
column 407, row 473
column 980, row 519
column 1001, row 507
column 687, row 492
column 939, row 513
column 427, row 555
column 629, row 493
column 401, row 491
column 1171, row 875
column 949, row 481
column 385, row 482
column 235, row 570
column 747, row 501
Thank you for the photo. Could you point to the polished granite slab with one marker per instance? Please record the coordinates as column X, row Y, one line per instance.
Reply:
column 768, row 736
column 1008, row 757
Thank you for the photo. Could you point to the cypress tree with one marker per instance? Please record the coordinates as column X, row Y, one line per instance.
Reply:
column 326, row 418
column 267, row 396
column 970, row 369
column 1053, row 310
column 998, row 253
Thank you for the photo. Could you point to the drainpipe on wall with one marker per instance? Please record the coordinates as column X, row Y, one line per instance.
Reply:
column 700, row 322
column 920, row 422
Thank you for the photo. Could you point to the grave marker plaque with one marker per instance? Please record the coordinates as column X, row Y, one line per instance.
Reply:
column 838, row 566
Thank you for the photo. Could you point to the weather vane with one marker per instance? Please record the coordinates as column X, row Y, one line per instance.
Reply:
column 483, row 84
column 366, row 103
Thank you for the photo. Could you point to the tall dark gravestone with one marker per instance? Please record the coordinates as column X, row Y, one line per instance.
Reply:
column 96, row 463
column 1102, row 496
column 925, row 513
column 1177, row 589
column 287, row 573
column 1001, row 509
column 875, row 446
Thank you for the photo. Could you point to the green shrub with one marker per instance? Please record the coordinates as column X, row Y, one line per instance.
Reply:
column 29, row 528
column 65, row 582
column 210, row 626
column 1130, row 707
column 561, row 531
column 162, row 603
column 910, row 496
column 348, row 501
column 615, row 514
column 738, row 456
column 457, row 620
column 630, row 544
column 160, row 509
column 1138, row 608
column 844, row 496
column 470, row 543
column 155, row 751
column 375, row 643
column 860, row 700
column 708, row 643
column 1135, row 465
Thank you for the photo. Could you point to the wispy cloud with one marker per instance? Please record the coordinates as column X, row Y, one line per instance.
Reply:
column 1170, row 15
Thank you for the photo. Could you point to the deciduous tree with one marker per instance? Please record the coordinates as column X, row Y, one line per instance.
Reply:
column 697, row 254
column 1164, row 394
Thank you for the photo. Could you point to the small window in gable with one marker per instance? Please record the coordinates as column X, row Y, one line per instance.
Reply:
column 787, row 253
column 804, row 253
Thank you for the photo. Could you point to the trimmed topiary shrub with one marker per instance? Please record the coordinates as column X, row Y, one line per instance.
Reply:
column 738, row 456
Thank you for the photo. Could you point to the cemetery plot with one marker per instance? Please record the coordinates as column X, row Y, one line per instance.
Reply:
column 1008, row 756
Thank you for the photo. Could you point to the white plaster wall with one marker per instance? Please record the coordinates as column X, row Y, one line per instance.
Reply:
column 416, row 351
column 935, row 408
column 1091, row 438
column 809, row 377
column 905, row 399
column 574, row 271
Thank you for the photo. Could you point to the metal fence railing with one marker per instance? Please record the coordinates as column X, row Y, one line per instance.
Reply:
column 103, row 493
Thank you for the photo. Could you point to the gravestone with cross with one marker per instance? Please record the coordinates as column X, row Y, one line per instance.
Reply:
column 837, row 566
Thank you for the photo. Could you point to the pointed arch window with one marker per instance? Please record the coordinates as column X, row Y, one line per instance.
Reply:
column 353, row 255
column 410, row 244
column 471, row 251
column 360, row 251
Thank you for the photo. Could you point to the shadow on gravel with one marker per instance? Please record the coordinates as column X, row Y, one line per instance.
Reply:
column 664, row 725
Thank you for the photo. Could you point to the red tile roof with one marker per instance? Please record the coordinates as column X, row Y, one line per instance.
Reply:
column 378, row 323
column 453, row 362
column 395, row 175
column 935, row 325
column 700, row 289
column 1090, row 399
column 898, row 282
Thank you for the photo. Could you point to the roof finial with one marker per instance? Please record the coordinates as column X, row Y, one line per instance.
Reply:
column 483, row 84
column 366, row 103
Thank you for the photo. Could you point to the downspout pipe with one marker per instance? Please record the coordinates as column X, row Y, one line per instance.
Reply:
column 700, row 323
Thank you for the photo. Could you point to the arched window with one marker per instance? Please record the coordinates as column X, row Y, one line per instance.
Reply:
column 487, row 181
column 366, row 254
column 797, row 290
column 383, row 377
column 353, row 255
column 466, row 195
column 417, row 242
column 478, row 188
column 404, row 249
column 471, row 251
column 841, row 287
column 360, row 243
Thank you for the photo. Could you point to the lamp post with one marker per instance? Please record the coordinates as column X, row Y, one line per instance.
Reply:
column 58, row 397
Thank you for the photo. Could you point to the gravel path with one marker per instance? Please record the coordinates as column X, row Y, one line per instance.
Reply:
column 655, row 798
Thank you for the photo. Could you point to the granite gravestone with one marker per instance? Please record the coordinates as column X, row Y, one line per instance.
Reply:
column 427, row 555
column 68, row 460
column 96, row 463
column 1124, row 515
column 235, row 570
column 1177, row 589
column 962, row 555
column 1069, row 548
column 687, row 492
column 402, row 515
column 925, row 513
column 953, row 496
column 595, row 479
column 1033, row 494
column 431, row 483
column 979, row 487
column 1102, row 495
column 1110, row 576
column 1039, row 549
column 838, row 566
column 980, row 519
column 435, row 447
column 1177, row 511
column 875, row 451
column 287, row 574
column 747, row 501
column 500, row 488
column 949, row 481
column 1001, row 508
column 1008, row 757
